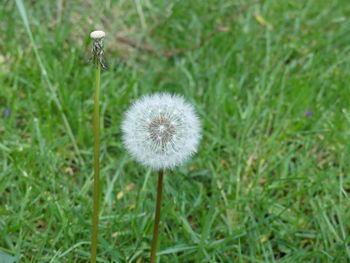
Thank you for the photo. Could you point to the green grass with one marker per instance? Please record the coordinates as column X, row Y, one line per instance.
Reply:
column 269, row 183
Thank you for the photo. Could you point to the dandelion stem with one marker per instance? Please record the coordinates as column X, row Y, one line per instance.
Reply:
column 96, row 193
column 157, row 216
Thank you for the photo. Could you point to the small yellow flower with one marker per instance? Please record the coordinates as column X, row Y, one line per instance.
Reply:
column 263, row 240
column 120, row 195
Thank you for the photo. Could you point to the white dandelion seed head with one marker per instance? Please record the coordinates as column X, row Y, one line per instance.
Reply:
column 97, row 34
column 161, row 130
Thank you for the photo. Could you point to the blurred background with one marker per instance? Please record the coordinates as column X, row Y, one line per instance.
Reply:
column 269, row 80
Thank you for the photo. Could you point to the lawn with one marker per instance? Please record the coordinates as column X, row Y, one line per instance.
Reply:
column 270, row 82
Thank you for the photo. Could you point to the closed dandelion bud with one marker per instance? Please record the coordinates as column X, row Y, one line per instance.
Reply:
column 161, row 130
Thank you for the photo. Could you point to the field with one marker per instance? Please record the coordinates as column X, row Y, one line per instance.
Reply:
column 270, row 82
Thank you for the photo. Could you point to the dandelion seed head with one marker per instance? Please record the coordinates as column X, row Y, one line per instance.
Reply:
column 97, row 48
column 161, row 130
column 97, row 34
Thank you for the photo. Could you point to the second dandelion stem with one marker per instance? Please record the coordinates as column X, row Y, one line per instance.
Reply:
column 96, row 194
column 157, row 216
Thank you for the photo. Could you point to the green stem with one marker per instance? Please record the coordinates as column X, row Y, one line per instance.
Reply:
column 157, row 216
column 96, row 194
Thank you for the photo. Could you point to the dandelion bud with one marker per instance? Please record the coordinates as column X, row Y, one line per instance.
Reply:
column 161, row 130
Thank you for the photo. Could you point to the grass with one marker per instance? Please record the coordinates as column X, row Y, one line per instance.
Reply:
column 269, row 184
